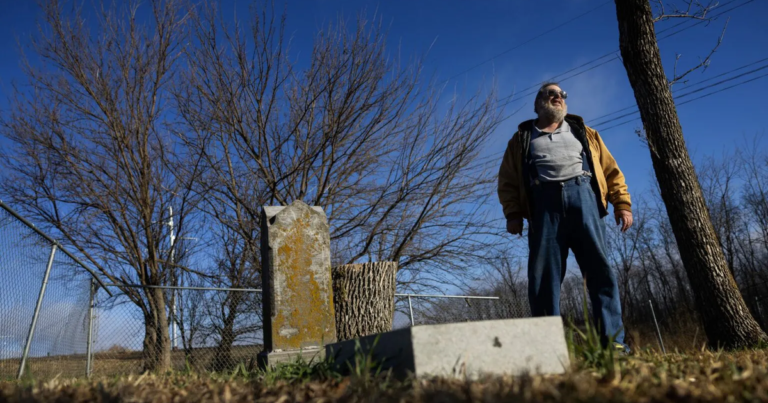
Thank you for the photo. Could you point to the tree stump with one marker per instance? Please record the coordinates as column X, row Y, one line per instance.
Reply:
column 364, row 298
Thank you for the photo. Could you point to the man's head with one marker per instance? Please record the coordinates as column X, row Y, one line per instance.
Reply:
column 550, row 103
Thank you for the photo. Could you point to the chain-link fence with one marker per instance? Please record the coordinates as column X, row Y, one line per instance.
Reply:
column 217, row 329
column 58, row 319
column 44, row 296
column 210, row 329
column 421, row 309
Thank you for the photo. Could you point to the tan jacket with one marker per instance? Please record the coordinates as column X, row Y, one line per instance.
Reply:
column 513, row 190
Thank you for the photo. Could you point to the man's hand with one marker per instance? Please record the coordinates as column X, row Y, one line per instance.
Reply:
column 623, row 217
column 515, row 227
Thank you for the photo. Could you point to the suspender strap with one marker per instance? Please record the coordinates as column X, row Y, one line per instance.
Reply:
column 585, row 162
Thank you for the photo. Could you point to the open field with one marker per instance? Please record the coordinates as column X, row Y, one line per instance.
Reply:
column 646, row 377
column 118, row 363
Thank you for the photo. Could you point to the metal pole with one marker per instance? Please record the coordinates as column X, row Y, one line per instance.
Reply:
column 90, row 331
column 51, row 240
column 173, row 271
column 169, row 287
column 410, row 308
column 445, row 296
column 174, row 342
column 658, row 332
column 37, row 311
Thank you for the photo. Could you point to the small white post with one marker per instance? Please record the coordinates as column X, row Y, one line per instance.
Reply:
column 658, row 332
column 410, row 308
column 174, row 341
column 90, row 331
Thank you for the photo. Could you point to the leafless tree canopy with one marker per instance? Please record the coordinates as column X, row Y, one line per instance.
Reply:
column 142, row 111
column 93, row 160
column 347, row 128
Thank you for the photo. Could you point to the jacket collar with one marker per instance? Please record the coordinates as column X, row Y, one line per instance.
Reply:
column 572, row 120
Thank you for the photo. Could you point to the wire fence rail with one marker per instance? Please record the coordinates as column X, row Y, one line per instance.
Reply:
column 205, row 339
column 60, row 319
column 44, row 298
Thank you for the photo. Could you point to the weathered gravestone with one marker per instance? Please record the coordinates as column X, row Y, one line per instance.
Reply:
column 296, row 281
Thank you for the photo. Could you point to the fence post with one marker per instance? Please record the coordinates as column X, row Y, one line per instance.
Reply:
column 658, row 332
column 410, row 308
column 90, row 330
column 37, row 312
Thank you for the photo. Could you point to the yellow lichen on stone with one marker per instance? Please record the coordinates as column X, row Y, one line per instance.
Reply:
column 303, row 316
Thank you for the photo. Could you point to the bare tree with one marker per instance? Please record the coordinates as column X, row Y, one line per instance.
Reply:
column 725, row 317
column 717, row 178
column 347, row 128
column 233, row 315
column 92, row 160
column 625, row 252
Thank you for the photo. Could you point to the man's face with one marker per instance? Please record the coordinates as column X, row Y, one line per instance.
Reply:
column 553, row 97
column 552, row 102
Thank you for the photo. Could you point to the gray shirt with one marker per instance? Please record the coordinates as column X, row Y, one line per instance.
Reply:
column 557, row 155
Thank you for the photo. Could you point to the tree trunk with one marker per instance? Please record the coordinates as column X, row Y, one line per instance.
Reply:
column 724, row 314
column 364, row 298
column 222, row 360
column 157, row 342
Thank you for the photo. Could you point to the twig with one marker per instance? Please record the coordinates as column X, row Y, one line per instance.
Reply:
column 700, row 14
column 703, row 64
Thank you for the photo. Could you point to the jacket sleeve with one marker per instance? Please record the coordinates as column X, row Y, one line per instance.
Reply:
column 618, row 193
column 509, row 184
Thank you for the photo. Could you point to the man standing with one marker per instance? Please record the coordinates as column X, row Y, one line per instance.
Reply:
column 558, row 174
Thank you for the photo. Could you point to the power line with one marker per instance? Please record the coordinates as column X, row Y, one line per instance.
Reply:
column 548, row 31
column 694, row 99
column 689, row 85
column 489, row 158
column 509, row 99
column 685, row 21
column 688, row 93
column 707, row 20
column 724, row 81
column 728, row 72
column 535, row 88
column 726, row 88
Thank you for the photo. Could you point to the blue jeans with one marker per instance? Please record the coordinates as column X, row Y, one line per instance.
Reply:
column 566, row 216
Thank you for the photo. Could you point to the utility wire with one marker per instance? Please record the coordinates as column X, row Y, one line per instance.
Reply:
column 548, row 31
column 511, row 98
column 688, row 93
column 694, row 99
column 705, row 21
column 726, row 88
column 685, row 21
column 491, row 158
column 689, row 85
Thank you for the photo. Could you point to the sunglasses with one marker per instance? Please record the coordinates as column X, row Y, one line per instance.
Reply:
column 553, row 93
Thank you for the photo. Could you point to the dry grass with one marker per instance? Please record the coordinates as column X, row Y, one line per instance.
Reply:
column 118, row 363
column 648, row 377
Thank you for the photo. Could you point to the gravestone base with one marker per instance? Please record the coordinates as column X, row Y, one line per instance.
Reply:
column 269, row 359
column 464, row 350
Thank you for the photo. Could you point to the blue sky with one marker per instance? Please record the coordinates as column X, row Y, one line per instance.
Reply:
column 460, row 35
